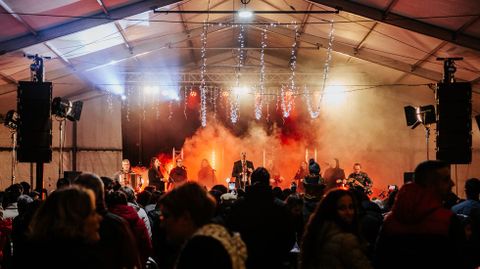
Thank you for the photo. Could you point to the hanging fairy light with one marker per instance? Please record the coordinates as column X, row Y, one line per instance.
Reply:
column 286, row 98
column 234, row 111
column 185, row 100
column 234, row 106
column 170, row 110
column 259, row 97
column 203, row 92
column 214, row 99
column 286, row 101
column 241, row 51
column 326, row 67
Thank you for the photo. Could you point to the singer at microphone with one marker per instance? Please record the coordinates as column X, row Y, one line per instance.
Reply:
column 178, row 175
column 206, row 174
column 155, row 176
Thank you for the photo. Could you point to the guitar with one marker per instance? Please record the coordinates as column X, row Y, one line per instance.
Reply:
column 352, row 182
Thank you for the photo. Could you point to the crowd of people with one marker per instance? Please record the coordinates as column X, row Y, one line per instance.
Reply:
column 95, row 222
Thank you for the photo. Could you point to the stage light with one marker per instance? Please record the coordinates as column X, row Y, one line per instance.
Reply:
column 225, row 94
column 64, row 108
column 124, row 97
column 193, row 93
column 117, row 89
column 151, row 90
column 245, row 13
column 335, row 95
column 420, row 115
column 11, row 120
column 241, row 90
column 165, row 93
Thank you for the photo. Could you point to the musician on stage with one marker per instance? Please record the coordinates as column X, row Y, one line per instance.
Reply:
column 242, row 169
column 206, row 174
column 301, row 173
column 155, row 176
column 360, row 179
column 178, row 175
column 126, row 177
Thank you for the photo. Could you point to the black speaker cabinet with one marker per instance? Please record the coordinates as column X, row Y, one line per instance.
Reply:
column 454, row 122
column 35, row 128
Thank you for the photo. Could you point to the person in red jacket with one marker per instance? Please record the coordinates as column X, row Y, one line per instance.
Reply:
column 118, row 205
column 419, row 232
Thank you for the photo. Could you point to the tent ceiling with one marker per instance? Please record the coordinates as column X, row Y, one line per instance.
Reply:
column 400, row 38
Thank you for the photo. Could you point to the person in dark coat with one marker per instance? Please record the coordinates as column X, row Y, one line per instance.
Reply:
column 419, row 232
column 186, row 213
column 155, row 176
column 116, row 246
column 178, row 175
column 118, row 205
column 242, row 170
column 332, row 174
column 266, row 227
column 332, row 237
column 64, row 231
column 206, row 174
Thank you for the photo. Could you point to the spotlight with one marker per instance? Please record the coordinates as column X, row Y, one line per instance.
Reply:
column 193, row 93
column 245, row 13
column 151, row 90
column 124, row 97
column 11, row 120
column 64, row 108
column 420, row 115
column 240, row 90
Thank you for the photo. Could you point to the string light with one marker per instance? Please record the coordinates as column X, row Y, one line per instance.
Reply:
column 234, row 106
column 234, row 111
column 326, row 67
column 170, row 110
column 203, row 92
column 287, row 101
column 259, row 97
column 110, row 101
column 185, row 100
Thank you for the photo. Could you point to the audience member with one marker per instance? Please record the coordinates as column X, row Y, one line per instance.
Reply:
column 472, row 191
column 64, row 231
column 419, row 232
column 186, row 212
column 332, row 237
column 117, row 244
column 265, row 226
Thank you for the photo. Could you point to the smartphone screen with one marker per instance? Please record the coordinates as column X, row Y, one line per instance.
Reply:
column 231, row 185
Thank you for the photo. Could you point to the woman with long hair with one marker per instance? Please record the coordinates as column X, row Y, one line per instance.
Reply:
column 332, row 238
column 64, row 230
column 155, row 177
column 206, row 174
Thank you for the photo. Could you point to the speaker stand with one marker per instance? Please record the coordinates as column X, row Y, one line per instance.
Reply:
column 61, row 123
column 427, row 138
column 14, row 156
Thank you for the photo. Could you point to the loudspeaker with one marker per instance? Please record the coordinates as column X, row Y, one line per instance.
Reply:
column 35, row 127
column 454, row 122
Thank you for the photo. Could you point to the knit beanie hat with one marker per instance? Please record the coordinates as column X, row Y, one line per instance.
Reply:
column 313, row 167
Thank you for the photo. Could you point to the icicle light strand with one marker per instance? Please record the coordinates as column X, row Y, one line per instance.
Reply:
column 326, row 68
column 259, row 99
column 203, row 69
